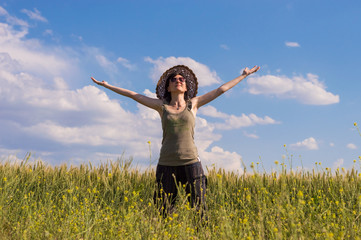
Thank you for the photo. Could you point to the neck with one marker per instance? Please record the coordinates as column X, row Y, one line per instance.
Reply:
column 177, row 100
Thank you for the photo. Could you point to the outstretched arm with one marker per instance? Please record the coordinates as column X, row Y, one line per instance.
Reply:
column 210, row 96
column 153, row 103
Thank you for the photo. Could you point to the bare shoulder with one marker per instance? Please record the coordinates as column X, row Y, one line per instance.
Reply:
column 157, row 101
column 156, row 104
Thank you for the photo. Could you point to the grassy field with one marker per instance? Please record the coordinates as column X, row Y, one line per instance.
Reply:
column 114, row 201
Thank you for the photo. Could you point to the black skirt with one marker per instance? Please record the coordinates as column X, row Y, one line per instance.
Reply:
column 168, row 178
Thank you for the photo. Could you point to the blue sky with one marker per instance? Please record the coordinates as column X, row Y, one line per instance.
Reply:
column 301, row 105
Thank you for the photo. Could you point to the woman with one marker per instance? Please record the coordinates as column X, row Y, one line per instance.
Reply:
column 177, row 105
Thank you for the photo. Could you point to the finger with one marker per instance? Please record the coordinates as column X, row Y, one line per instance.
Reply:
column 255, row 69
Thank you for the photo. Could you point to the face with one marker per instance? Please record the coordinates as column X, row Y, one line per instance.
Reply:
column 178, row 83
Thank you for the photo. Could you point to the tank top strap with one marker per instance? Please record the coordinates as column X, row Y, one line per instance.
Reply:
column 164, row 103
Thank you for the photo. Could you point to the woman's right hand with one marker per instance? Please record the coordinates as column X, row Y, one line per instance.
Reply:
column 102, row 83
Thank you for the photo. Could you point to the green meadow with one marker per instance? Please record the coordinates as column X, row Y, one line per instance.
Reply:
column 115, row 201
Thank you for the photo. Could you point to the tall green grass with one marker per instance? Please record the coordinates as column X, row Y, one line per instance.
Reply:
column 115, row 201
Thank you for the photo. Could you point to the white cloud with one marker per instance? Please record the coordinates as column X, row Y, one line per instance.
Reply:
column 219, row 158
column 110, row 67
column 105, row 63
column 232, row 121
column 351, row 146
column 292, row 44
column 9, row 155
column 332, row 144
column 32, row 55
column 204, row 75
column 77, row 37
column 125, row 63
column 60, row 83
column 214, row 156
column 204, row 134
column 38, row 103
column 338, row 163
column 35, row 15
column 3, row 12
column 211, row 111
column 97, row 120
column 17, row 156
column 11, row 19
column 309, row 143
column 48, row 32
column 109, row 125
column 307, row 90
column 224, row 46
column 251, row 135
column 85, row 118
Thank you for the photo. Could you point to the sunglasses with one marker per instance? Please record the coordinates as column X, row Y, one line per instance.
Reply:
column 181, row 79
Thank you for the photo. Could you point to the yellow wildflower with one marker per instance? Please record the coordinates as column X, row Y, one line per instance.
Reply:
column 300, row 194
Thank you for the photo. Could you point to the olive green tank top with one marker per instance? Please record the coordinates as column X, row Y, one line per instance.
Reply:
column 178, row 147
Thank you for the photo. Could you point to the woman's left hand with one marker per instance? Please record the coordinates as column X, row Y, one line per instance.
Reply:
column 101, row 83
column 248, row 71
